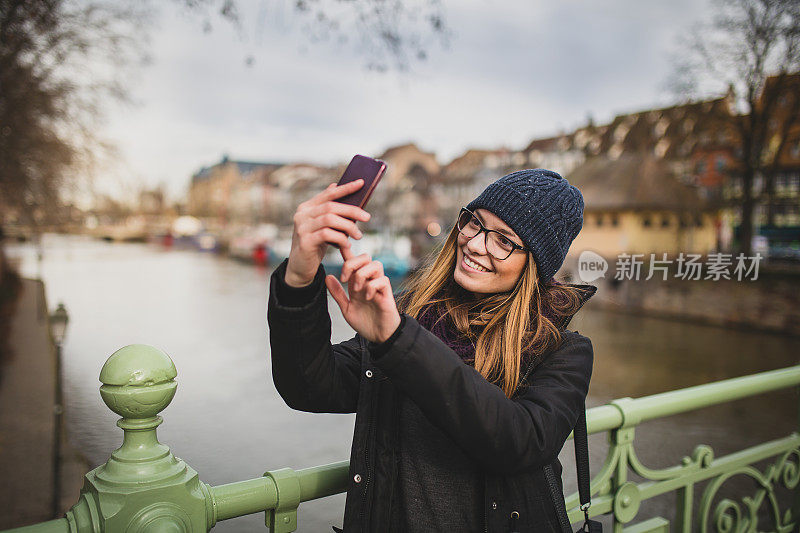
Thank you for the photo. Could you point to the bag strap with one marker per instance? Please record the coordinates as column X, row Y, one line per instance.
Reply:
column 581, row 442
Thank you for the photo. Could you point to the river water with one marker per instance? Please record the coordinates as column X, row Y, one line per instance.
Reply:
column 228, row 422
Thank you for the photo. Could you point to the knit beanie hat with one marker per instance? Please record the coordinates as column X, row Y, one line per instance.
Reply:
column 542, row 208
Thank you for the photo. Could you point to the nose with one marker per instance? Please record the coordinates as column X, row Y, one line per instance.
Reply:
column 477, row 244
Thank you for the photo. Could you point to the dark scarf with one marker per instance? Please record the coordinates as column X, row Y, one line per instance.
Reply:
column 446, row 331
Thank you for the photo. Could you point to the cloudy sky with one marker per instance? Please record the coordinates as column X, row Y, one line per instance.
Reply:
column 511, row 71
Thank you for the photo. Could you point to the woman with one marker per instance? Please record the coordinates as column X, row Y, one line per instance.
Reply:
column 464, row 390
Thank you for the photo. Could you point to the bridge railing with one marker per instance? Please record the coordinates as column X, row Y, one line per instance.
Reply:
column 144, row 488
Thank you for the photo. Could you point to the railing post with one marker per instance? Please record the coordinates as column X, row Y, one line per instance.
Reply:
column 796, row 502
column 626, row 494
column 143, row 487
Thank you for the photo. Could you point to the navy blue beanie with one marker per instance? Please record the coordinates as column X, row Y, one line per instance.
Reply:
column 542, row 208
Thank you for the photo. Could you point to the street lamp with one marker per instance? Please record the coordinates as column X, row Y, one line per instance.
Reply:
column 58, row 329
column 58, row 325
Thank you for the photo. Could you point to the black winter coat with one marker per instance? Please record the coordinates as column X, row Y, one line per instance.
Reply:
column 512, row 439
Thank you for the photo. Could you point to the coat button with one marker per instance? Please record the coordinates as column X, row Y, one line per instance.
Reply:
column 494, row 505
column 368, row 373
column 357, row 478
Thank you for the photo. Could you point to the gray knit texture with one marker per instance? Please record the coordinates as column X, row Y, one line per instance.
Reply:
column 542, row 208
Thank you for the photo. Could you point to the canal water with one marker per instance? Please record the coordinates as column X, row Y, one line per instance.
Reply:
column 229, row 423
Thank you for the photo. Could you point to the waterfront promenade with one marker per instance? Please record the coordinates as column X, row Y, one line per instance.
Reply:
column 27, row 420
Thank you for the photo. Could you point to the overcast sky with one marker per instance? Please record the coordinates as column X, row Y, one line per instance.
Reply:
column 512, row 71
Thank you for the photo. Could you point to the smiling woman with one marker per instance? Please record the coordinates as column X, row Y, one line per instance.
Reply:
column 466, row 388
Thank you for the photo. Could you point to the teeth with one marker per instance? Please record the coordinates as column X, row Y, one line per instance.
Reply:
column 474, row 265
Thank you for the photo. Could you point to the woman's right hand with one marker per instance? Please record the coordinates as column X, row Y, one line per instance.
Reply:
column 319, row 222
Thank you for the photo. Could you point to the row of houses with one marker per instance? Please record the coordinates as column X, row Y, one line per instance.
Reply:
column 655, row 181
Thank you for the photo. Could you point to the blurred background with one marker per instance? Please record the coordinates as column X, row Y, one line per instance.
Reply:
column 152, row 155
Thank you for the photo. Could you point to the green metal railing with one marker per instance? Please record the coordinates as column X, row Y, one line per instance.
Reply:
column 144, row 488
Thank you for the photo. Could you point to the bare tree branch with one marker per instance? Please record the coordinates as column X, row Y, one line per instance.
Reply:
column 751, row 48
column 390, row 34
column 60, row 62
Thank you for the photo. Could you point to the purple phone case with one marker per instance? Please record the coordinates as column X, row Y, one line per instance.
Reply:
column 370, row 170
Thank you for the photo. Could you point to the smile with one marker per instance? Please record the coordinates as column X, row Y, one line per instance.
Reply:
column 473, row 265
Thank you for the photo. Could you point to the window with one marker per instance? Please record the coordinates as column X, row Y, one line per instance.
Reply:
column 720, row 163
column 698, row 221
column 614, row 220
column 700, row 168
column 793, row 182
column 647, row 221
column 599, row 220
column 664, row 221
column 758, row 184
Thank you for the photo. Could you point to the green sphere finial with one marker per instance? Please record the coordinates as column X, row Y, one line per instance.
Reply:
column 143, row 487
column 138, row 381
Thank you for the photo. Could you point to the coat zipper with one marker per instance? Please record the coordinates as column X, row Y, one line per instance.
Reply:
column 531, row 366
column 485, row 508
column 368, row 474
column 558, row 499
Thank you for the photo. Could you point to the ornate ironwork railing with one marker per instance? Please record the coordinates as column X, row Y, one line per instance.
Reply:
column 144, row 488
column 613, row 492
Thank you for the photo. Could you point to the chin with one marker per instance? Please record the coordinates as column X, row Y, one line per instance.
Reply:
column 469, row 284
column 466, row 286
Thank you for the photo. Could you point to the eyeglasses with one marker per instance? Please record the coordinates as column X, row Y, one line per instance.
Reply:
column 498, row 245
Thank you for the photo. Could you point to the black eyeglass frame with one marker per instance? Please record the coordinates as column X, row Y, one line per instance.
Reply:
column 484, row 229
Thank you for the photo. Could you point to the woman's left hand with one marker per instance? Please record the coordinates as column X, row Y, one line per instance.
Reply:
column 370, row 308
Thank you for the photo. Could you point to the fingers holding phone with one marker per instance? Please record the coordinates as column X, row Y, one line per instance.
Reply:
column 318, row 222
column 330, row 218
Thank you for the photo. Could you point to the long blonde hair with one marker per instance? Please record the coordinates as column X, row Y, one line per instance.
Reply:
column 503, row 327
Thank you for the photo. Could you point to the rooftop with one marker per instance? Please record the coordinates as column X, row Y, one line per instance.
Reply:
column 635, row 181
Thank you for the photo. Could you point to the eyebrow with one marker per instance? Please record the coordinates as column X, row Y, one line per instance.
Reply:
column 499, row 230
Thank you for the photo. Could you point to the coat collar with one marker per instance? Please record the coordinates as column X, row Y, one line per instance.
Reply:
column 586, row 292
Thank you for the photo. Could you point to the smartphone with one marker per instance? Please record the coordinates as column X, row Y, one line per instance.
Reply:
column 366, row 168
